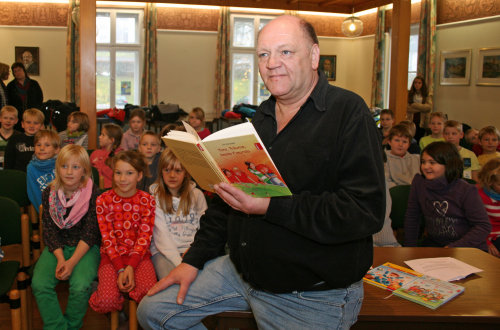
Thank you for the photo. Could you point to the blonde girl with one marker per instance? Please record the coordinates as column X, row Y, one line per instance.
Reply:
column 126, row 218
column 72, row 240
column 109, row 143
column 177, row 218
column 489, row 181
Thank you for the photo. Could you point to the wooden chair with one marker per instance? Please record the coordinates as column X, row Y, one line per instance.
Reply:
column 9, row 270
column 399, row 196
column 132, row 316
column 230, row 320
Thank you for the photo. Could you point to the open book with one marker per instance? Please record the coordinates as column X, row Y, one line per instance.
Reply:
column 406, row 283
column 234, row 155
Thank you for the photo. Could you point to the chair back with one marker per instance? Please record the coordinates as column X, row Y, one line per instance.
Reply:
column 399, row 196
column 13, row 185
column 10, row 221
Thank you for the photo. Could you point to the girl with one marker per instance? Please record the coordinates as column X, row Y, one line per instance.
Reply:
column 452, row 209
column 197, row 121
column 179, row 208
column 76, row 132
column 132, row 136
column 489, row 180
column 419, row 106
column 126, row 218
column 72, row 240
column 109, row 141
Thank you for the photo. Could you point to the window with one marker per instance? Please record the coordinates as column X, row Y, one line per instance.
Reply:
column 118, row 57
column 413, row 54
column 246, row 84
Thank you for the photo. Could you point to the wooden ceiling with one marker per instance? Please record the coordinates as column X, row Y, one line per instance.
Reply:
column 329, row 6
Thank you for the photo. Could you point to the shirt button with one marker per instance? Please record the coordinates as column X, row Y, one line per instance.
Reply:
column 270, row 148
column 243, row 244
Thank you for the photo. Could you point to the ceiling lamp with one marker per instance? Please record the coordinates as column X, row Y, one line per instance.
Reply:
column 352, row 26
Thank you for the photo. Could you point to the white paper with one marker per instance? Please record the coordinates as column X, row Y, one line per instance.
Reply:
column 445, row 268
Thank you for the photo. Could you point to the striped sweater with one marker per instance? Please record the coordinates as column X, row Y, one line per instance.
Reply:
column 493, row 209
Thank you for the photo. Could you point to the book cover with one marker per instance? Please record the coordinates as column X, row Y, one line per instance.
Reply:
column 390, row 276
column 429, row 292
column 235, row 155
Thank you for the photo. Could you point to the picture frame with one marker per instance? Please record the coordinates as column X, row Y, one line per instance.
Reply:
column 30, row 57
column 488, row 67
column 455, row 67
column 330, row 71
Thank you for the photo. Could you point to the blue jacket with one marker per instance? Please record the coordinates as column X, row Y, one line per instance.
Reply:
column 40, row 173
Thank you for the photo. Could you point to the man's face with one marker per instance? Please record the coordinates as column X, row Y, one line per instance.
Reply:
column 27, row 58
column 287, row 59
column 19, row 73
column 327, row 65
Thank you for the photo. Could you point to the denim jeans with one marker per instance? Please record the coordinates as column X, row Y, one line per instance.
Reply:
column 219, row 287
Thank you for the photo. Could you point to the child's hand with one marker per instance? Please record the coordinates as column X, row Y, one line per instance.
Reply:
column 59, row 267
column 126, row 281
column 65, row 271
column 493, row 250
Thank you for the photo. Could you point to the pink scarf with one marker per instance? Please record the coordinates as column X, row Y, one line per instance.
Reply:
column 79, row 201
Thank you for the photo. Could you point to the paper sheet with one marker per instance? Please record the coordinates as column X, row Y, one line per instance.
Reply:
column 445, row 268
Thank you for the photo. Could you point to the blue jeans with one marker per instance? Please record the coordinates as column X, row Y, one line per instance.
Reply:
column 219, row 287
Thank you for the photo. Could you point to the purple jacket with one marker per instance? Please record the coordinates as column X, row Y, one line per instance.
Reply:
column 454, row 213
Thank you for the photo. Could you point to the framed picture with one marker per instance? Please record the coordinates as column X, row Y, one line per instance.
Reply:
column 30, row 57
column 328, row 64
column 488, row 67
column 455, row 67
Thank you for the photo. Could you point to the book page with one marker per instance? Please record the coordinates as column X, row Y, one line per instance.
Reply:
column 444, row 268
column 390, row 276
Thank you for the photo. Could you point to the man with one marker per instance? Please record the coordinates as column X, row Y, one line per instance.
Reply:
column 297, row 262
column 327, row 68
column 31, row 67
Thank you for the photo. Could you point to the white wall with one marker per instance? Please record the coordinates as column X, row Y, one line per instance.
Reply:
column 52, row 43
column 354, row 63
column 475, row 105
column 186, row 69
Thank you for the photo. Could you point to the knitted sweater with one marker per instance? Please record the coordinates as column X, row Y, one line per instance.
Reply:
column 401, row 170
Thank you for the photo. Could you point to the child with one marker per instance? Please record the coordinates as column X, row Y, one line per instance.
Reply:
column 385, row 237
column 197, row 121
column 76, row 133
column 488, row 139
column 436, row 125
column 126, row 219
column 42, row 168
column 414, row 148
column 136, row 122
column 179, row 206
column 386, row 122
column 489, row 179
column 149, row 147
column 453, row 133
column 401, row 166
column 419, row 106
column 470, row 139
column 164, row 131
column 452, row 209
column 72, row 240
column 21, row 147
column 8, row 118
column 109, row 141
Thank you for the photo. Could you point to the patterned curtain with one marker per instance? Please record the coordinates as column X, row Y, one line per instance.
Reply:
column 378, row 82
column 427, row 45
column 222, row 71
column 73, row 53
column 149, row 87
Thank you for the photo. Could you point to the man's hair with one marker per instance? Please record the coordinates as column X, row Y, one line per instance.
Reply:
column 82, row 119
column 138, row 112
column 53, row 137
column 309, row 31
column 454, row 124
column 149, row 133
column 488, row 130
column 399, row 130
column 438, row 114
column 411, row 126
column 446, row 153
column 19, row 65
column 490, row 173
column 3, row 68
column 34, row 113
column 387, row 112
column 9, row 109
column 72, row 151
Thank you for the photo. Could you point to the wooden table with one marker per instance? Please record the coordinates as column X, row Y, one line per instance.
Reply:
column 477, row 308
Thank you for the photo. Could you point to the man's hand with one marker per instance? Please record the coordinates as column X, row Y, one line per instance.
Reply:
column 240, row 201
column 125, row 280
column 493, row 250
column 183, row 275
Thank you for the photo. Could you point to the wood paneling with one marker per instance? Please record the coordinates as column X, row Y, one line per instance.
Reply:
column 33, row 14
column 188, row 19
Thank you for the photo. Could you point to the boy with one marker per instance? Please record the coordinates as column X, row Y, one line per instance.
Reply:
column 20, row 147
column 386, row 122
column 42, row 168
column 149, row 147
column 130, row 139
column 76, row 132
column 470, row 139
column 414, row 148
column 488, row 139
column 436, row 125
column 401, row 166
column 8, row 118
column 453, row 133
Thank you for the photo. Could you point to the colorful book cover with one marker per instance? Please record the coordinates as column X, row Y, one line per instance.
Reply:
column 390, row 276
column 429, row 292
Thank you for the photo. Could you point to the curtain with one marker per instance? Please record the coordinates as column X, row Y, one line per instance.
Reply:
column 73, row 53
column 427, row 45
column 222, row 71
column 149, row 87
column 378, row 76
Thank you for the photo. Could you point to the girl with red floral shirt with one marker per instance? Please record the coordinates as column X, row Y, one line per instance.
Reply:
column 126, row 219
